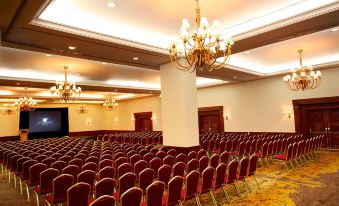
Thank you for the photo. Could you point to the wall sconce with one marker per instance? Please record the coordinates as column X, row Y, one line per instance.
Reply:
column 132, row 119
column 288, row 113
column 154, row 118
column 115, row 122
column 89, row 122
column 227, row 116
column 82, row 109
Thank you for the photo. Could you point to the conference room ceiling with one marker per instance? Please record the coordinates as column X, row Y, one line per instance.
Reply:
column 266, row 34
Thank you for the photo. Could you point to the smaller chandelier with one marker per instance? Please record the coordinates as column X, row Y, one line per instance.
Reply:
column 303, row 78
column 9, row 108
column 64, row 90
column 110, row 103
column 82, row 109
column 26, row 104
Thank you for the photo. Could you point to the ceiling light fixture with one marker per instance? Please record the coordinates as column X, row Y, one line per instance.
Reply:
column 48, row 55
column 9, row 108
column 72, row 47
column 82, row 109
column 135, row 58
column 111, row 4
column 303, row 78
column 103, row 63
column 64, row 90
column 201, row 48
column 26, row 104
column 110, row 103
column 335, row 29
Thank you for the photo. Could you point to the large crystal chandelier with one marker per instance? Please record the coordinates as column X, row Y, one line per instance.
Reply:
column 65, row 90
column 26, row 104
column 110, row 103
column 303, row 78
column 201, row 48
column 9, row 108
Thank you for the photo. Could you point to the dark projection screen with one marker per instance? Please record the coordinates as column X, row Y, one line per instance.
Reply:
column 45, row 121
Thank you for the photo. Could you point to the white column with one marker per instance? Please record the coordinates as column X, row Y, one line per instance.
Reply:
column 179, row 107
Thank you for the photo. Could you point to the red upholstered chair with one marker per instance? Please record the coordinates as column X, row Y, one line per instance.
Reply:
column 106, row 172
column 220, row 178
column 87, row 176
column 203, row 163
column 243, row 171
column 146, row 178
column 241, row 151
column 126, row 182
column 71, row 170
column 25, row 171
column 181, row 158
column 56, row 156
column 66, row 159
column 155, row 164
column 143, row 152
column 202, row 153
column 132, row 197
column 71, row 154
column 164, row 174
column 191, row 189
column 148, row 157
column 130, row 153
column 232, row 170
column 161, row 154
column 105, row 200
column 105, row 163
column 19, row 169
column 192, row 165
column 154, row 194
column 77, row 195
column 179, row 169
column 118, row 155
column 77, row 162
column 215, row 160
column 262, row 155
column 229, row 145
column 192, row 155
column 34, row 176
column 169, row 160
column 59, row 165
column 207, row 183
column 205, row 145
column 41, row 157
column 46, row 183
column 106, row 156
column 174, row 191
column 172, row 152
column 89, row 166
column 120, row 161
column 224, row 157
column 104, row 187
column 124, row 168
column 253, row 168
column 140, row 166
column 60, row 187
column 135, row 158
column 286, row 157
column 222, row 146
column 93, row 159
column 48, row 161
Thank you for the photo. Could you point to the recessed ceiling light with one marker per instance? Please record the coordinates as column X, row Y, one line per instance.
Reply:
column 335, row 29
column 48, row 55
column 247, row 52
column 235, row 77
column 115, row 90
column 135, row 58
column 111, row 4
column 18, row 83
column 71, row 47
column 103, row 63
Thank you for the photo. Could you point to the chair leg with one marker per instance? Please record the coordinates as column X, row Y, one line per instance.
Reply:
column 215, row 203
column 14, row 178
column 20, row 182
column 225, row 192
column 236, row 188
column 285, row 165
column 255, row 179
column 37, row 199
column 247, row 185
column 197, row 200
column 9, row 176
column 27, row 190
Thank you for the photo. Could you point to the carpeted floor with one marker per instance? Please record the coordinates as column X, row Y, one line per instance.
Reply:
column 315, row 183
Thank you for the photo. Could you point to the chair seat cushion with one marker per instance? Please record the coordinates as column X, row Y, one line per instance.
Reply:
column 281, row 157
column 41, row 192
column 51, row 200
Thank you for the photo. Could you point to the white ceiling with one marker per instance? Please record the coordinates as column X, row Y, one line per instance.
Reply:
column 152, row 24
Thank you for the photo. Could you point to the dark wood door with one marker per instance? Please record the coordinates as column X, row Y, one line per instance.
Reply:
column 333, row 128
column 316, row 124
column 143, row 121
column 211, row 119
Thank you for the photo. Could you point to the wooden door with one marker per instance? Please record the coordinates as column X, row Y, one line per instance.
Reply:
column 211, row 119
column 333, row 128
column 143, row 121
column 316, row 124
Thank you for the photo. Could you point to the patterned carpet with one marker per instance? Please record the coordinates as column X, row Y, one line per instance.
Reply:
column 315, row 183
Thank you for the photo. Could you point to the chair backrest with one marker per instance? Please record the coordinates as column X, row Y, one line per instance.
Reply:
column 104, row 201
column 154, row 193
column 126, row 181
column 202, row 153
column 77, row 195
column 34, row 173
column 207, row 178
column 132, row 197
column 71, row 170
column 135, row 158
column 161, row 154
column 41, row 157
column 169, row 160
column 66, row 158
column 192, row 182
column 124, row 168
column 203, row 163
column 192, row 155
column 87, row 176
column 105, row 163
column 106, row 172
column 155, row 164
column 192, row 165
column 179, row 169
column 60, row 187
column 224, row 157
column 215, row 160
column 26, row 167
column 220, row 175
column 172, row 152
column 232, row 171
column 146, row 178
column 164, row 174
column 46, row 180
column 243, row 168
column 229, row 145
column 253, row 165
column 59, row 165
column 120, row 161
column 148, row 157
column 104, row 187
column 48, row 161
column 89, row 166
column 174, row 190
column 20, row 163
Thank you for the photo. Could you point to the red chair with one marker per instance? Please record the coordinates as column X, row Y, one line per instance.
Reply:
column 19, row 168
column 119, row 155
column 105, row 163
column 148, row 157
column 60, row 187
column 66, row 159
column 34, row 176
column 126, row 182
column 71, row 170
column 155, row 164
column 124, row 168
column 286, row 157
column 146, row 178
column 77, row 195
column 106, row 172
column 41, row 157
column 224, row 157
column 48, row 161
column 179, row 169
column 241, row 152
column 161, row 154
column 135, row 158
column 253, row 168
column 93, row 159
column 229, row 145
column 89, row 166
column 202, row 153
column 172, row 152
column 140, row 166
column 25, row 171
column 104, row 187
column 143, row 152
column 243, row 171
column 169, row 160
column 104, row 201
column 132, row 197
column 207, row 181
column 215, row 160
column 222, row 146
column 191, row 155
column 59, row 165
column 87, row 176
column 232, row 174
column 191, row 190
column 181, row 158
column 203, row 163
column 154, row 194
column 220, row 178
column 77, row 162
column 164, row 174
column 174, row 191
column 262, row 155
column 46, row 183
column 192, row 165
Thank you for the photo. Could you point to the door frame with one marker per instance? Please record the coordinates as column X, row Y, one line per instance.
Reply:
column 215, row 110
column 142, row 114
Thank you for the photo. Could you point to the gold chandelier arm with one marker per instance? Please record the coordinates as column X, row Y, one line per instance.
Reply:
column 226, row 56
column 178, row 65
